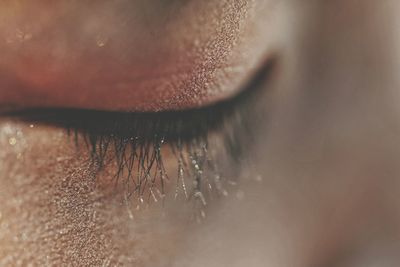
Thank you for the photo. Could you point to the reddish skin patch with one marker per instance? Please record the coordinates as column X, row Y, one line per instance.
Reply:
column 172, row 57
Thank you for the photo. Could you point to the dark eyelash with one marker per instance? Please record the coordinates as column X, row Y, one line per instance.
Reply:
column 137, row 138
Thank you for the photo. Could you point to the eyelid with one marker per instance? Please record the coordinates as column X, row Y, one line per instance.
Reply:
column 61, row 115
column 135, row 141
column 172, row 70
column 177, row 89
column 22, row 98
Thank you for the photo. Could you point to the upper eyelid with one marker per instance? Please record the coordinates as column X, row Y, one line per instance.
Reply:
column 165, row 70
column 183, row 123
column 140, row 136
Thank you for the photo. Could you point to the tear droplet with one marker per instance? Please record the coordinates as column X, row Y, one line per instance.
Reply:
column 200, row 196
column 101, row 41
column 203, row 214
column 12, row 141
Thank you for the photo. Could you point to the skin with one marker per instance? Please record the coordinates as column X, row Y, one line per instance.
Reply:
column 325, row 187
column 126, row 55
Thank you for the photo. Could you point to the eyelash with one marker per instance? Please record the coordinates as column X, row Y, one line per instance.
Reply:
column 210, row 144
column 204, row 142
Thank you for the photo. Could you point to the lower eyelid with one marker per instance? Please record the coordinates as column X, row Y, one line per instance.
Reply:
column 31, row 147
column 52, row 202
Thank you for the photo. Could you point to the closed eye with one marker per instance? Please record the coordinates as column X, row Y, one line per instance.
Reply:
column 204, row 142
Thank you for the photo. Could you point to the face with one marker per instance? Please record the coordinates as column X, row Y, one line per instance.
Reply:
column 199, row 133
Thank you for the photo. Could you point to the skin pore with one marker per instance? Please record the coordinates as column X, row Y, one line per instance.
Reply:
column 324, row 187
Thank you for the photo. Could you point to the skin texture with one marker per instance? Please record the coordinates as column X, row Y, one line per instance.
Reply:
column 324, row 189
column 68, row 214
column 126, row 55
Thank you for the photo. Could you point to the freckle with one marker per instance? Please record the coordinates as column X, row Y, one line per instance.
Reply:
column 12, row 141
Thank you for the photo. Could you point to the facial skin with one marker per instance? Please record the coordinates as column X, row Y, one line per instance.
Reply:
column 128, row 55
column 325, row 190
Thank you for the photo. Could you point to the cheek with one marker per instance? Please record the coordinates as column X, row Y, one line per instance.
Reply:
column 126, row 55
column 54, row 212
